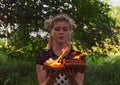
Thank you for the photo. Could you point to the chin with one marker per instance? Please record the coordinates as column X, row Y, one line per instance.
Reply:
column 61, row 42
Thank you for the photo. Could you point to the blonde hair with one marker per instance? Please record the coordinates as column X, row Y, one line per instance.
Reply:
column 48, row 24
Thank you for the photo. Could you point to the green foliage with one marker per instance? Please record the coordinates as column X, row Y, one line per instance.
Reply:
column 17, row 72
column 103, row 71
column 100, row 71
column 107, row 49
column 91, row 16
column 2, row 42
column 115, row 14
column 27, row 52
column 94, row 23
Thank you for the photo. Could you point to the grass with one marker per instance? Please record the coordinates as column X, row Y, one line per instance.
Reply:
column 16, row 72
column 100, row 71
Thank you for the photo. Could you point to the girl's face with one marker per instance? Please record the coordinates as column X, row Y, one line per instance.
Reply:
column 61, row 32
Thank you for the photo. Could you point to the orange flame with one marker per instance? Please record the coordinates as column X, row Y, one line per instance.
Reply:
column 63, row 52
column 59, row 62
column 78, row 56
column 52, row 62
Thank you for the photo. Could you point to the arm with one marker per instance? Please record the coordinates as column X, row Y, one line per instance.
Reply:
column 77, row 79
column 41, row 74
column 43, row 78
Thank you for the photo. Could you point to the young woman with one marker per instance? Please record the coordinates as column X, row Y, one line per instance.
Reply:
column 60, row 27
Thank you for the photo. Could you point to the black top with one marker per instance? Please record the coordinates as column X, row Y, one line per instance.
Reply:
column 42, row 57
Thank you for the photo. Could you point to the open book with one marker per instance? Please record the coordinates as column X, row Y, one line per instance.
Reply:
column 76, row 64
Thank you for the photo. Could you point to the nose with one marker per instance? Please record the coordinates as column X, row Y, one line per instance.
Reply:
column 61, row 31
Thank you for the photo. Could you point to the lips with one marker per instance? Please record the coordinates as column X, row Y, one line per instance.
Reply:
column 61, row 37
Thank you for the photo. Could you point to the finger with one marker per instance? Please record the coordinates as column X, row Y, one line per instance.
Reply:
column 66, row 72
column 76, row 70
column 73, row 71
column 69, row 72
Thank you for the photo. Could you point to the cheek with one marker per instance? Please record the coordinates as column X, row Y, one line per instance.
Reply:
column 53, row 34
column 68, row 36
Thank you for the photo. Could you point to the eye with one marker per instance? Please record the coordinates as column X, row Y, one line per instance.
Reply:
column 57, row 29
column 65, row 29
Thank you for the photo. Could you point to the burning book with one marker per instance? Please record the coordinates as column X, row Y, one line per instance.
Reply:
column 60, row 63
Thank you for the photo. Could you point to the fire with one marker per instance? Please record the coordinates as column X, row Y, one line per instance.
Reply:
column 61, row 56
column 57, row 62
column 60, row 63
column 52, row 62
column 78, row 56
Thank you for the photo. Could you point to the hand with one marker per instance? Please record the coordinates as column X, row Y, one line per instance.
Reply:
column 70, row 72
column 51, row 76
column 53, row 73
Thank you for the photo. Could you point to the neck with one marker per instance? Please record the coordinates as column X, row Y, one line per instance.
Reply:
column 57, row 48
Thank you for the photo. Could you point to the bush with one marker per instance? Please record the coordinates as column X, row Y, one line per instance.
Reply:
column 102, row 72
column 14, row 72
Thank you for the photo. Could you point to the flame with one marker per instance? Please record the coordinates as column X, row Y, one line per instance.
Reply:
column 59, row 62
column 63, row 52
column 78, row 56
column 52, row 62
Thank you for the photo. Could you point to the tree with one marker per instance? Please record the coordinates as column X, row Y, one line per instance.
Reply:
column 116, row 15
column 91, row 16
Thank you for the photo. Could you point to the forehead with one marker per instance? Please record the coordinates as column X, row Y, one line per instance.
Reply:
column 61, row 23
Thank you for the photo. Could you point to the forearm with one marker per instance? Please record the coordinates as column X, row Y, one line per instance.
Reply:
column 73, row 81
column 49, row 81
column 76, row 80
